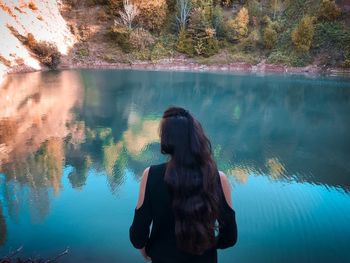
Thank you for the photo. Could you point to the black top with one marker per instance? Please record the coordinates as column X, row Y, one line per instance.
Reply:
column 157, row 209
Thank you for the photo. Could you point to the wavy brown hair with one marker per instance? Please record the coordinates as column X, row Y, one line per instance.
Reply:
column 192, row 178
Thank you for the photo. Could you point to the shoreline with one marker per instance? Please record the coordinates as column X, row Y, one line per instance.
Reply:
column 189, row 65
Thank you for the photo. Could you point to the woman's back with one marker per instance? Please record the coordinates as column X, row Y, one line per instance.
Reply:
column 183, row 199
column 157, row 208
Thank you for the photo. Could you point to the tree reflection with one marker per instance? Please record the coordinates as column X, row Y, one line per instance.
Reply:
column 262, row 125
column 34, row 123
column 108, row 121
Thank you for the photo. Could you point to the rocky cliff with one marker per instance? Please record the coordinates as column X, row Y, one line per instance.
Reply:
column 42, row 21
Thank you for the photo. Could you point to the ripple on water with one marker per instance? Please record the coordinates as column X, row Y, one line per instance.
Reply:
column 293, row 216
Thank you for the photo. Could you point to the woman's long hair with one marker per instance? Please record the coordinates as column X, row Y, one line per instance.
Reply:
column 192, row 178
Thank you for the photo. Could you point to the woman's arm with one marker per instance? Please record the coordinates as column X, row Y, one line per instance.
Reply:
column 227, row 227
column 142, row 188
column 139, row 230
column 225, row 184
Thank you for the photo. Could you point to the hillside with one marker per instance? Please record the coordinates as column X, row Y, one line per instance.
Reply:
column 31, row 31
column 275, row 35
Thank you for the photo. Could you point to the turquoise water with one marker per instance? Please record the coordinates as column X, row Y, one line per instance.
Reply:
column 73, row 145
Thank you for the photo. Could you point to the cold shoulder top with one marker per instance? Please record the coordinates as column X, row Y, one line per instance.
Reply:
column 156, row 209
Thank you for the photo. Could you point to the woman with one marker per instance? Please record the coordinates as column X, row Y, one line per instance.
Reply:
column 186, row 199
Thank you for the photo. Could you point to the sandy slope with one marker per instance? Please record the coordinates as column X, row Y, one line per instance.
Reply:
column 40, row 18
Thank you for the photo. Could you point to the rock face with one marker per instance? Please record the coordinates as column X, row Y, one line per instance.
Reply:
column 40, row 18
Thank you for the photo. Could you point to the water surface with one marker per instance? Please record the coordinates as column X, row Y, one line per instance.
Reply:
column 73, row 145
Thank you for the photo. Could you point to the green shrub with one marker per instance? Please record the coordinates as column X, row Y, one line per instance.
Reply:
column 328, row 35
column 141, row 39
column 82, row 52
column 303, row 34
column 159, row 52
column 270, row 37
column 202, row 33
column 276, row 7
column 218, row 21
column 121, row 35
column 346, row 63
column 290, row 58
column 184, row 43
column 346, row 56
column 329, row 10
column 278, row 57
column 294, row 10
column 205, row 5
column 275, row 25
column 199, row 47
column 254, row 9
column 143, row 54
column 252, row 42
column 244, row 57
column 298, row 59
column 168, row 41
column 332, row 42
column 198, row 22
column 206, row 47
column 211, row 43
column 266, row 20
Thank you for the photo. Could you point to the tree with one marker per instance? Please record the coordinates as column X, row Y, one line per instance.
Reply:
column 152, row 13
column 303, row 34
column 128, row 14
column 218, row 21
column 202, row 32
column 255, row 9
column 238, row 26
column 276, row 7
column 184, row 43
column 270, row 37
column 183, row 9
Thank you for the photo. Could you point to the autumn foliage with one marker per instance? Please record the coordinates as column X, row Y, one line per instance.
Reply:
column 152, row 13
column 329, row 10
column 238, row 26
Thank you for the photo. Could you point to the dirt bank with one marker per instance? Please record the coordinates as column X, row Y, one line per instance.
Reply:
column 183, row 64
column 81, row 36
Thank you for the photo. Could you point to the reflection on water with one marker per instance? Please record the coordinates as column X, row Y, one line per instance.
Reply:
column 3, row 230
column 73, row 145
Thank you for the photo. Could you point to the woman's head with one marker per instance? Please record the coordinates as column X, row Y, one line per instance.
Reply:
column 192, row 178
column 183, row 138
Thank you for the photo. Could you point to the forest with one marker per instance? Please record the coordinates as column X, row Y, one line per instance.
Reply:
column 293, row 33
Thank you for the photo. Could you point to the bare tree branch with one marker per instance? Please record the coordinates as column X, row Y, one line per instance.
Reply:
column 58, row 256
column 12, row 254
column 127, row 15
column 8, row 259
column 183, row 13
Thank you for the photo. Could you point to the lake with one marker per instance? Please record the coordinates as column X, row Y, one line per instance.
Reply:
column 73, row 145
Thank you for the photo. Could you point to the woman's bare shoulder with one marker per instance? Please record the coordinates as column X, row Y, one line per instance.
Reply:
column 143, row 184
column 226, row 187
